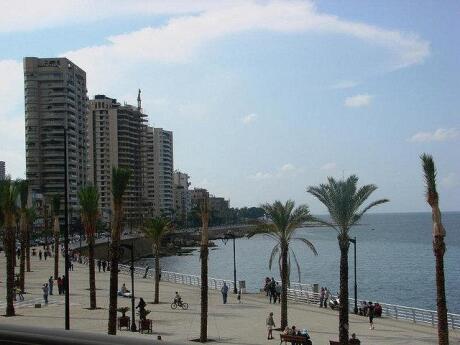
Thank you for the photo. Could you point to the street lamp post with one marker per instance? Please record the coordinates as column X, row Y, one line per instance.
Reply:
column 353, row 240
column 66, row 235
column 232, row 236
column 131, row 248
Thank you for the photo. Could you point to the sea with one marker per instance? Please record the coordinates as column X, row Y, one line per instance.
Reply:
column 395, row 261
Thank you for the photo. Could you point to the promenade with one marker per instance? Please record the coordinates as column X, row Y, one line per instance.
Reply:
column 232, row 323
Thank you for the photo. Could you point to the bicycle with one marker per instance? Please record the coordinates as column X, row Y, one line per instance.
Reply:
column 179, row 304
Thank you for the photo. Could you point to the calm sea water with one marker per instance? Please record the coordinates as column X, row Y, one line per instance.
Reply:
column 395, row 260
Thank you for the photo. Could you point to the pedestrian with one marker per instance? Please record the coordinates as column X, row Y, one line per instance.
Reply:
column 19, row 294
column 238, row 297
column 267, row 284
column 146, row 271
column 224, row 291
column 50, row 285
column 18, row 253
column 45, row 292
column 45, row 254
column 104, row 265
column 40, row 254
column 272, row 290
column 142, row 312
column 99, row 264
column 278, row 292
column 321, row 297
column 270, row 324
column 59, row 285
column 370, row 312
column 327, row 295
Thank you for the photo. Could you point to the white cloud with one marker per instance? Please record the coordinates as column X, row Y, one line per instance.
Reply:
column 261, row 176
column 357, row 101
column 345, row 84
column 441, row 134
column 181, row 36
column 329, row 166
column 249, row 118
column 287, row 167
column 451, row 180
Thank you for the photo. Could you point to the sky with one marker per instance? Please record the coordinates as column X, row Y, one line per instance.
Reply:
column 265, row 98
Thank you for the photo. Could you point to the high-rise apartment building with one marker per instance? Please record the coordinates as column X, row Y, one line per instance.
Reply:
column 182, row 197
column 115, row 139
column 163, row 172
column 2, row 170
column 55, row 98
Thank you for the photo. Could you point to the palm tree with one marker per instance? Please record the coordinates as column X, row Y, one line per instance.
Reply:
column 8, row 199
column 56, row 205
column 283, row 221
column 156, row 229
column 439, row 247
column 23, row 190
column 120, row 179
column 31, row 217
column 89, row 206
column 204, row 252
column 343, row 200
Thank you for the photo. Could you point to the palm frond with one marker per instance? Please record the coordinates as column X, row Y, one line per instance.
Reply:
column 120, row 180
column 296, row 263
column 275, row 251
column 308, row 244
column 429, row 170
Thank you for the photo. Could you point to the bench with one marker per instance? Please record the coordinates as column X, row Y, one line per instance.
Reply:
column 296, row 339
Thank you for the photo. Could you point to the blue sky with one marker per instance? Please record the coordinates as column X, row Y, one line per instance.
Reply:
column 264, row 97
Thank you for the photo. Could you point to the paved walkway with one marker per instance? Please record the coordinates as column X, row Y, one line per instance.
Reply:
column 232, row 323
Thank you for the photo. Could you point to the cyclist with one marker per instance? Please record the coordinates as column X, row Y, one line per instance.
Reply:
column 177, row 299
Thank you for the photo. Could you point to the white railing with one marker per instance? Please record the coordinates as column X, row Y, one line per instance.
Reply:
column 417, row 315
column 303, row 293
column 178, row 278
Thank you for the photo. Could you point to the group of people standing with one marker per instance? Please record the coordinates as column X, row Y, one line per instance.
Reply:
column 324, row 296
column 102, row 264
column 272, row 289
column 47, row 288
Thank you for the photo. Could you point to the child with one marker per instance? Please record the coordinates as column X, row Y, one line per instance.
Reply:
column 238, row 297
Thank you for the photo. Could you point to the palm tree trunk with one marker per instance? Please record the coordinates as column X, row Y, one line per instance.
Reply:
column 284, row 285
column 92, row 273
column 28, row 249
column 114, row 257
column 22, row 264
column 56, row 247
column 10, row 255
column 204, row 293
column 343, row 307
column 439, row 249
column 157, row 274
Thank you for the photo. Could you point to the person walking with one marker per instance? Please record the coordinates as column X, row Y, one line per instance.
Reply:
column 99, row 264
column 327, row 295
column 270, row 324
column 40, row 254
column 104, row 265
column 224, row 291
column 45, row 292
column 141, row 306
column 278, row 292
column 59, row 285
column 371, row 313
column 321, row 297
column 45, row 254
column 50, row 285
column 238, row 297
